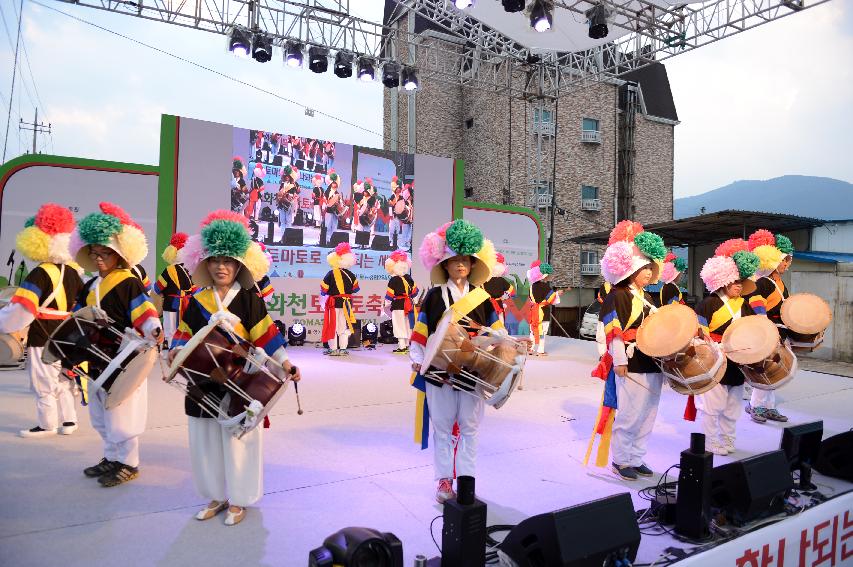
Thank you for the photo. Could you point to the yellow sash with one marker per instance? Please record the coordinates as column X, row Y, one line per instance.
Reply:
column 468, row 303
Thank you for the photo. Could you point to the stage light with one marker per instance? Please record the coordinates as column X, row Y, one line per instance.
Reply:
column 318, row 59
column 366, row 71
column 296, row 335
column 541, row 15
column 597, row 19
column 358, row 547
column 343, row 64
column 369, row 336
column 410, row 79
column 462, row 4
column 513, row 5
column 293, row 54
column 240, row 41
column 261, row 47
column 391, row 75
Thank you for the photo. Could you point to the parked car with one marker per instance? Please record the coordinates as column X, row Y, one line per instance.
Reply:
column 589, row 321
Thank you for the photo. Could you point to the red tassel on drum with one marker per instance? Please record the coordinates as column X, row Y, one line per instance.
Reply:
column 690, row 409
column 266, row 422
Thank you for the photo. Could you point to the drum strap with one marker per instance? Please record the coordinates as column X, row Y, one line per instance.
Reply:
column 57, row 277
column 778, row 289
column 725, row 298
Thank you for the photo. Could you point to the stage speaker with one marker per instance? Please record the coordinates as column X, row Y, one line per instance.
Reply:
column 386, row 333
column 269, row 233
column 362, row 238
column 596, row 533
column 292, row 236
column 337, row 237
column 267, row 215
column 751, row 488
column 836, row 456
column 381, row 242
column 693, row 502
column 355, row 337
column 463, row 538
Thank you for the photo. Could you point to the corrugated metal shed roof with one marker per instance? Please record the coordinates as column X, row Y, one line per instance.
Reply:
column 825, row 257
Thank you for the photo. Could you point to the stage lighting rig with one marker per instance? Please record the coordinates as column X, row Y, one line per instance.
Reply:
column 358, row 547
column 366, row 69
column 597, row 19
column 513, row 5
column 541, row 15
column 318, row 59
column 261, row 47
column 391, row 75
column 296, row 335
column 240, row 41
column 293, row 54
column 369, row 336
column 462, row 4
column 410, row 79
column 343, row 64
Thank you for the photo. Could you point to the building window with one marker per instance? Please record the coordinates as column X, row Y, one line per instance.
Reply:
column 590, row 133
column 469, row 192
column 469, row 123
column 589, row 198
column 543, row 193
column 589, row 263
column 543, row 122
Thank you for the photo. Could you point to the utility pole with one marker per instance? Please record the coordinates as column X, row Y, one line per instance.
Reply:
column 35, row 127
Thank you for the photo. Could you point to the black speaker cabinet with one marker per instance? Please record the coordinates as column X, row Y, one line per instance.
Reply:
column 355, row 337
column 386, row 333
column 269, row 233
column 337, row 237
column 381, row 242
column 362, row 237
column 836, row 456
column 752, row 488
column 595, row 533
column 292, row 236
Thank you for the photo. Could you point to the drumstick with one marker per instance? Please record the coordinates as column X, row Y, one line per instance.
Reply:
column 296, row 389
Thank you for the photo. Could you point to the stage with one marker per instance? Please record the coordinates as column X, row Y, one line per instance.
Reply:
column 349, row 460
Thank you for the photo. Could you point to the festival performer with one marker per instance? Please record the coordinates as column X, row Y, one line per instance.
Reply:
column 602, row 292
column 499, row 288
column 459, row 260
column 264, row 286
column 288, row 197
column 394, row 226
column 543, row 296
column 776, row 254
column 239, row 191
column 257, row 187
column 332, row 201
column 174, row 284
column 39, row 305
column 724, row 278
column 407, row 217
column 108, row 243
column 337, row 288
column 398, row 298
column 369, row 207
column 317, row 198
column 225, row 263
column 139, row 271
column 630, row 263
column 666, row 291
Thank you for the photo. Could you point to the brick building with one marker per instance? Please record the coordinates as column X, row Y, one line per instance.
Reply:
column 588, row 141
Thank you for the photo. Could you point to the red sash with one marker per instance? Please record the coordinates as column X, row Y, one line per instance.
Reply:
column 330, row 317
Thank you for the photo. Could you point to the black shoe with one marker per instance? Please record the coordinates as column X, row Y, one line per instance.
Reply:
column 626, row 472
column 643, row 470
column 121, row 474
column 102, row 468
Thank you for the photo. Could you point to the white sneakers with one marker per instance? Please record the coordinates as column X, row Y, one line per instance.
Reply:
column 68, row 428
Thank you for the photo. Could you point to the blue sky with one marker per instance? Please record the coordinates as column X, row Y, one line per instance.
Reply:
column 772, row 101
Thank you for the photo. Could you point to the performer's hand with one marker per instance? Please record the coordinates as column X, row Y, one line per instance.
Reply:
column 621, row 371
column 292, row 371
column 416, row 367
column 172, row 354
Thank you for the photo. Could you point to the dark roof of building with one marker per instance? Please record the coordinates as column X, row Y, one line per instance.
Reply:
column 825, row 257
column 714, row 227
column 657, row 94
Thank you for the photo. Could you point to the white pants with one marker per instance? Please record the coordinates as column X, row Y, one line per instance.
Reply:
column 317, row 219
column 342, row 331
column 120, row 427
column 446, row 407
column 54, row 392
column 763, row 399
column 394, row 228
column 400, row 322
column 286, row 216
column 405, row 240
column 543, row 332
column 635, row 416
column 224, row 467
column 721, row 408
column 331, row 225
column 170, row 325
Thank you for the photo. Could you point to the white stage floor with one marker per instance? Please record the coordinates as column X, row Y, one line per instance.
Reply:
column 349, row 460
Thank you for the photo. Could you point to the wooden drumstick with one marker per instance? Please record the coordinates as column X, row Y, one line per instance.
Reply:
column 296, row 389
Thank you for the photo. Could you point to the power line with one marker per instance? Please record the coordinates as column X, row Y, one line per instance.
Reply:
column 205, row 68
column 30, row 69
column 12, row 45
column 12, row 93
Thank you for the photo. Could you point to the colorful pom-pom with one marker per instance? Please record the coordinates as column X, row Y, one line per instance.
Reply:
column 784, row 244
column 730, row 246
column 625, row 230
column 680, row 264
column 192, row 253
column 769, row 257
column 178, row 240
column 464, row 238
column 651, row 245
column 225, row 238
column 546, row 268
column 99, row 228
column 747, row 263
column 30, row 222
column 618, row 259
column 761, row 237
column 54, row 219
column 343, row 248
column 223, row 214
column 33, row 243
column 432, row 250
column 719, row 271
column 119, row 213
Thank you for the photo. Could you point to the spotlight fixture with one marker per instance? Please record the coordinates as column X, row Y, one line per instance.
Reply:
column 240, row 41
column 596, row 17
column 318, row 59
column 369, row 336
column 541, row 15
column 261, row 47
column 513, row 5
column 343, row 64
column 296, row 335
column 358, row 547
column 366, row 71
column 462, row 4
column 410, row 79
column 391, row 75
column 293, row 54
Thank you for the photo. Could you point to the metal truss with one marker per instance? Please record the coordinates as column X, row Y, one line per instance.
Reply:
column 467, row 52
